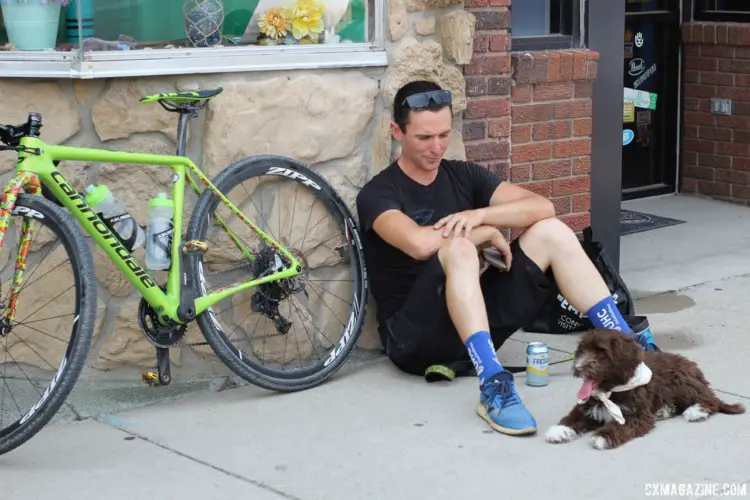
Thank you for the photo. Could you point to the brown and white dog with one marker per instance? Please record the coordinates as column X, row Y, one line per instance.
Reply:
column 626, row 390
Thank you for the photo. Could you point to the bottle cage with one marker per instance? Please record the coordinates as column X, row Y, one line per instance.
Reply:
column 110, row 223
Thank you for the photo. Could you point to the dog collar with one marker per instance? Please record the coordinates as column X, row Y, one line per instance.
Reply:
column 641, row 377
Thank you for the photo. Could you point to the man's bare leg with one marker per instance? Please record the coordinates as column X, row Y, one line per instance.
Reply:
column 499, row 403
column 550, row 243
column 463, row 293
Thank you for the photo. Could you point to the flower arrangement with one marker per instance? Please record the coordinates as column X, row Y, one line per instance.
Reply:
column 301, row 23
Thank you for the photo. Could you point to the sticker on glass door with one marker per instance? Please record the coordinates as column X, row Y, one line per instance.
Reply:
column 627, row 136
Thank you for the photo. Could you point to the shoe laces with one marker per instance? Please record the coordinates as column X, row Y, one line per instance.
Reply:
column 505, row 390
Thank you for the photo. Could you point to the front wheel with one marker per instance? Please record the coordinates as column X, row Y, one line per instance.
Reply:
column 43, row 347
column 292, row 334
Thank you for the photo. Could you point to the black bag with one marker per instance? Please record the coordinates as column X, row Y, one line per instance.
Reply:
column 559, row 317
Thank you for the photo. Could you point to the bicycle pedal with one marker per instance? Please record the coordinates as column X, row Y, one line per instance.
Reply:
column 151, row 378
column 195, row 246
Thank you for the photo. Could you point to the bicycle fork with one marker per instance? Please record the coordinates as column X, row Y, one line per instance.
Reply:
column 21, row 183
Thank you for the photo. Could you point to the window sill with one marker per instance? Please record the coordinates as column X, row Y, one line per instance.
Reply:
column 188, row 61
column 541, row 42
column 723, row 16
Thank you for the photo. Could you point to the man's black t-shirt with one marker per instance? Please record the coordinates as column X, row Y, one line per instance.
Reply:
column 459, row 186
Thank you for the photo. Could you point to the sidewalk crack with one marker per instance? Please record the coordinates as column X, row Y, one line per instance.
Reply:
column 227, row 472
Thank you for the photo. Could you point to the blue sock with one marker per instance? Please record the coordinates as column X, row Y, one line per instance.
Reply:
column 606, row 315
column 482, row 353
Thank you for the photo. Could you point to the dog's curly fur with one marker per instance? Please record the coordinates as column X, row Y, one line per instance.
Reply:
column 677, row 387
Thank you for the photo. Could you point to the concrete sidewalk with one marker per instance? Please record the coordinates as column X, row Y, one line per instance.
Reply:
column 375, row 433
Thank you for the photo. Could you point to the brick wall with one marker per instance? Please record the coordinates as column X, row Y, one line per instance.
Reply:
column 486, row 120
column 551, row 128
column 529, row 115
column 716, row 148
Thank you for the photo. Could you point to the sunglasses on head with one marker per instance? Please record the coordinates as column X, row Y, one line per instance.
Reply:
column 429, row 100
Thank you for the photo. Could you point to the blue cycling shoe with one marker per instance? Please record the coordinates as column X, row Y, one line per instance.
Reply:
column 642, row 333
column 647, row 341
column 500, row 405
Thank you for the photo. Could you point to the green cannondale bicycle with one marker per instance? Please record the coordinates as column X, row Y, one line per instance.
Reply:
column 280, row 311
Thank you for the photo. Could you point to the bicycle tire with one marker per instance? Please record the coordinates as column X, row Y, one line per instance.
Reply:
column 62, row 224
column 237, row 173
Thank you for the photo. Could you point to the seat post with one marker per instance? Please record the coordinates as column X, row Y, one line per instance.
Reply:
column 186, row 114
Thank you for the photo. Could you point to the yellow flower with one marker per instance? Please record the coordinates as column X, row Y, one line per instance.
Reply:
column 273, row 24
column 306, row 18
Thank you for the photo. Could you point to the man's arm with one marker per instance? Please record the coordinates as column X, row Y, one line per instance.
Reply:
column 515, row 207
column 418, row 242
column 501, row 204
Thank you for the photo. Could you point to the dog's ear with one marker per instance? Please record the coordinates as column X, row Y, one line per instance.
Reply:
column 625, row 354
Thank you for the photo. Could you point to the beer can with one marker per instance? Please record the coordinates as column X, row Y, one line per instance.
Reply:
column 537, row 364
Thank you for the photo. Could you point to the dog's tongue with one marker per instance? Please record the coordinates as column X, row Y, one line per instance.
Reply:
column 586, row 389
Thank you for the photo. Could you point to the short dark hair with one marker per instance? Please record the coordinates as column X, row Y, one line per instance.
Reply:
column 401, row 108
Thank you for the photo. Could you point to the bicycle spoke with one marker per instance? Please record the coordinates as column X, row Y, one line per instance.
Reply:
column 5, row 371
column 331, row 293
column 294, row 212
column 27, row 277
column 329, row 308
column 39, row 331
column 43, row 319
column 266, row 226
column 307, row 332
column 48, row 302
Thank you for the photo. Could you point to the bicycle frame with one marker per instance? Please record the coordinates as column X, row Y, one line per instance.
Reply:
column 36, row 166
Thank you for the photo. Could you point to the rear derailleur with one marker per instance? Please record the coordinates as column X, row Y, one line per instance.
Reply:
column 269, row 308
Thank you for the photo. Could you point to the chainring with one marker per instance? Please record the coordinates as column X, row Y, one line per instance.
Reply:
column 165, row 336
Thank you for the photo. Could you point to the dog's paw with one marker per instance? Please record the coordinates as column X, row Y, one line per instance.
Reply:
column 695, row 413
column 560, row 434
column 601, row 443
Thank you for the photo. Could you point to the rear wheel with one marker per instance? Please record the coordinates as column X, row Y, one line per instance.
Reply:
column 43, row 349
column 295, row 333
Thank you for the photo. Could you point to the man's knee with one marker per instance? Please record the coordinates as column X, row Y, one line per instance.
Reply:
column 458, row 254
column 550, row 232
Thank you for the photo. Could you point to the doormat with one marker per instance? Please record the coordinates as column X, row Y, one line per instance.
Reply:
column 636, row 222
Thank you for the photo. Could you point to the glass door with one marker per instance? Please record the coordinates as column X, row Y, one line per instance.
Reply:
column 650, row 104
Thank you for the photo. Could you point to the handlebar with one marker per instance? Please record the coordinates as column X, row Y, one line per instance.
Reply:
column 11, row 135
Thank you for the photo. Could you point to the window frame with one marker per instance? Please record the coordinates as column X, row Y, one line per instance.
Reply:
column 565, row 29
column 702, row 11
column 78, row 64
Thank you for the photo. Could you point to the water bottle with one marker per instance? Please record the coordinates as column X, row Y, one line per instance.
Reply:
column 159, row 233
column 114, row 214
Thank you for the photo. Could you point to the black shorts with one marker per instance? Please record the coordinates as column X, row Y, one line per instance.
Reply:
column 422, row 333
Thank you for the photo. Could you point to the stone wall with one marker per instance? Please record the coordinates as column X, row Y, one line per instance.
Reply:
column 337, row 121
column 716, row 157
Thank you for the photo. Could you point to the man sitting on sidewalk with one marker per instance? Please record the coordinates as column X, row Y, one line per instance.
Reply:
column 423, row 219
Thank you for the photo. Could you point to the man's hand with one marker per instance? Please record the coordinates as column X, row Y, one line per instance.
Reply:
column 460, row 224
column 503, row 247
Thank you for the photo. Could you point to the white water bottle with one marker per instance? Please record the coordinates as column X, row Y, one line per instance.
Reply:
column 114, row 214
column 159, row 233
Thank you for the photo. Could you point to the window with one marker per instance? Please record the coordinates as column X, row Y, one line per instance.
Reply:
column 161, row 37
column 737, row 11
column 545, row 24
